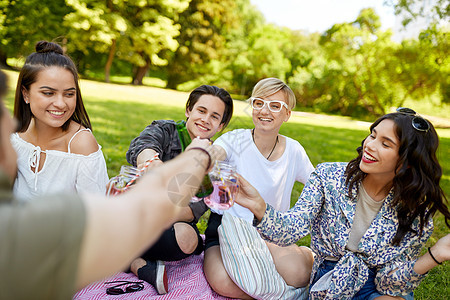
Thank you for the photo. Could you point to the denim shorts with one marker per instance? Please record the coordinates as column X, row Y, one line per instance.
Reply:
column 367, row 292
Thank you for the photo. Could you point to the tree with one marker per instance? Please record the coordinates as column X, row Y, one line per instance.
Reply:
column 424, row 66
column 354, row 74
column 202, row 39
column 228, row 70
column 95, row 25
column 22, row 25
column 140, row 29
column 433, row 39
column 262, row 57
column 153, row 31
column 432, row 10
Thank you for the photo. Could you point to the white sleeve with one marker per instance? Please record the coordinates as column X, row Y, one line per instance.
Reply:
column 92, row 175
column 305, row 167
column 228, row 142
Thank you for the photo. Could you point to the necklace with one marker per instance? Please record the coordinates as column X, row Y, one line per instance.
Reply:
column 276, row 142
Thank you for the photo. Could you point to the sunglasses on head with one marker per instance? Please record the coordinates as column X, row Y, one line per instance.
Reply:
column 418, row 123
column 135, row 286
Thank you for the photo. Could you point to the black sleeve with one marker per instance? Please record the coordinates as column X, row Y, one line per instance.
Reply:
column 154, row 136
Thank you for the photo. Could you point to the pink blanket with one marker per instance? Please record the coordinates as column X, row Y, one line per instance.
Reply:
column 186, row 281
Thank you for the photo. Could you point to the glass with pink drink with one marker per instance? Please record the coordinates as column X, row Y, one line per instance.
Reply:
column 224, row 180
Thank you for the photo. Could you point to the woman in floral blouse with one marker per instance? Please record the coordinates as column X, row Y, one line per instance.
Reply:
column 369, row 218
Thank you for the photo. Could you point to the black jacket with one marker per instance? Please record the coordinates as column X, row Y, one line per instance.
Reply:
column 162, row 136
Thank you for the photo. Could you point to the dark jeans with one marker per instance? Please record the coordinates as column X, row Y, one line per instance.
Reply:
column 367, row 292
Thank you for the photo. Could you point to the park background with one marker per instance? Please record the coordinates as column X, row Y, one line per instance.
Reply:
column 139, row 59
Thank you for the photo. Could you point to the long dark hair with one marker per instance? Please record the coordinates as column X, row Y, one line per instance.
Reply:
column 416, row 182
column 221, row 93
column 3, row 89
column 47, row 54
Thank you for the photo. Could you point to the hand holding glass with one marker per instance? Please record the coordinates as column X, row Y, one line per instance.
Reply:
column 127, row 177
column 223, row 177
column 120, row 183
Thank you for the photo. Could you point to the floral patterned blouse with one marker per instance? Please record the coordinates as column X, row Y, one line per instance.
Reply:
column 325, row 210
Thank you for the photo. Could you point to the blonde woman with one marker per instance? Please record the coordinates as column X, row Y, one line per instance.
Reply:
column 272, row 163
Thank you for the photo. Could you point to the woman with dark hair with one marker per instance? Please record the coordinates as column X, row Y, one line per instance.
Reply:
column 56, row 148
column 369, row 218
column 208, row 111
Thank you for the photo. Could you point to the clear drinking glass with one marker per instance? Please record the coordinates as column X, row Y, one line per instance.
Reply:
column 120, row 183
column 224, row 180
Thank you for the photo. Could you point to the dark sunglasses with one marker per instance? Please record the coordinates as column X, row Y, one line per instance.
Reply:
column 418, row 123
column 135, row 286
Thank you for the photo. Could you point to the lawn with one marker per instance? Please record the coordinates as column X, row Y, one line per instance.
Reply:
column 120, row 112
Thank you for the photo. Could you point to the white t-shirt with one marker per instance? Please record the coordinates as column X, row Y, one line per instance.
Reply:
column 62, row 171
column 274, row 180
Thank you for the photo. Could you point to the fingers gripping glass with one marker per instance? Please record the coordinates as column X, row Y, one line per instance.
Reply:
column 274, row 105
column 417, row 122
column 134, row 286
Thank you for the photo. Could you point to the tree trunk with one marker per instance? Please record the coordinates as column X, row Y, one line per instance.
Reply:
column 172, row 81
column 140, row 72
column 3, row 62
column 109, row 62
column 174, row 72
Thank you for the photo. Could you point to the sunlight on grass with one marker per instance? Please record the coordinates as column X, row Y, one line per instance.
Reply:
column 432, row 107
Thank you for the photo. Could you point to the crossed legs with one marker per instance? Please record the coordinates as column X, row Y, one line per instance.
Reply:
column 293, row 263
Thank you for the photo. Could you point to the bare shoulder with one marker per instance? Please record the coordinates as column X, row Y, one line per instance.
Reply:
column 83, row 142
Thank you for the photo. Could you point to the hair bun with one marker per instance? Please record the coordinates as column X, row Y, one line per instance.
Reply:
column 45, row 46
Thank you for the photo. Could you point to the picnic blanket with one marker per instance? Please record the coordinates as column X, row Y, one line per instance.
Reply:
column 186, row 281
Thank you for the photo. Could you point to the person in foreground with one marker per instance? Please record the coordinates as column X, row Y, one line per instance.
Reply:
column 51, row 248
column 369, row 218
column 208, row 111
column 272, row 163
column 54, row 142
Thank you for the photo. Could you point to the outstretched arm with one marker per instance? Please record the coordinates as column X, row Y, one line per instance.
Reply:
column 145, row 156
column 440, row 251
column 118, row 229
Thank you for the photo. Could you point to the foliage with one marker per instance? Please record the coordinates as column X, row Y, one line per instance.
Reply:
column 352, row 69
column 424, row 66
column 351, row 75
column 434, row 11
column 202, row 39
column 230, row 70
column 22, row 24
column 140, row 30
column 262, row 57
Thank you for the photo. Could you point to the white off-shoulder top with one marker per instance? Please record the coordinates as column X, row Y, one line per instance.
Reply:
column 61, row 172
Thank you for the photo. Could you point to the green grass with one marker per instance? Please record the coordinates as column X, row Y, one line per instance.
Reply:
column 120, row 112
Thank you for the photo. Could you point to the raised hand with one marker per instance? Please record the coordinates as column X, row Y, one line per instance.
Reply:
column 249, row 197
column 441, row 250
